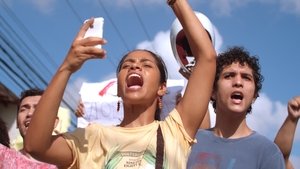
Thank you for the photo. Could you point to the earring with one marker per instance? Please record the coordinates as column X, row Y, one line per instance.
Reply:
column 160, row 104
column 118, row 106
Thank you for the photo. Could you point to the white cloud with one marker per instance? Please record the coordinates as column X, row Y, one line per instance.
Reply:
column 267, row 117
column 218, row 40
column 128, row 4
column 162, row 46
column 225, row 7
column 295, row 161
column 290, row 6
column 45, row 6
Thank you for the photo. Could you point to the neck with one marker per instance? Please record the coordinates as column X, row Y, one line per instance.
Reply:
column 26, row 154
column 136, row 115
column 229, row 126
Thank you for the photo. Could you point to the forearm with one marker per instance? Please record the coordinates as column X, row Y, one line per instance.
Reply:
column 285, row 136
column 197, row 36
column 39, row 133
column 205, row 124
column 194, row 103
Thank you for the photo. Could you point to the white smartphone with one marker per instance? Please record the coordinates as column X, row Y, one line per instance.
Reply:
column 96, row 30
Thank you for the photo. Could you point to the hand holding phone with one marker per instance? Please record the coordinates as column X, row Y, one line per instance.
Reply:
column 96, row 30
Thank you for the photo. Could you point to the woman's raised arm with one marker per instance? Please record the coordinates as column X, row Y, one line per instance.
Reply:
column 194, row 103
column 39, row 141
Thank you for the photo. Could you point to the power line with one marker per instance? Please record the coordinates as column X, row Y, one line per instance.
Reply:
column 32, row 39
column 9, row 78
column 10, row 32
column 7, row 66
column 11, row 58
column 36, row 43
column 26, row 63
column 74, row 12
column 28, row 33
column 113, row 24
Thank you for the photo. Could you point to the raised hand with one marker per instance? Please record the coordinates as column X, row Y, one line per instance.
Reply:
column 294, row 108
column 83, row 49
column 80, row 109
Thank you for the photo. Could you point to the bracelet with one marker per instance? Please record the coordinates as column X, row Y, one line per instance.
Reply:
column 171, row 2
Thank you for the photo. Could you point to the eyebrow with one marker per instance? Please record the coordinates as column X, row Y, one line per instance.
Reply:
column 248, row 75
column 24, row 106
column 131, row 60
column 235, row 73
column 28, row 105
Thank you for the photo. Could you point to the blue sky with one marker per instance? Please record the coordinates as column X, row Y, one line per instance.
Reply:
column 266, row 28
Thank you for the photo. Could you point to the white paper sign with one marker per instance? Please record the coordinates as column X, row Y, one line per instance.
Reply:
column 100, row 102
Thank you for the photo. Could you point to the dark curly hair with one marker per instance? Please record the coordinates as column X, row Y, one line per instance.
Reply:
column 161, row 66
column 239, row 54
column 29, row 92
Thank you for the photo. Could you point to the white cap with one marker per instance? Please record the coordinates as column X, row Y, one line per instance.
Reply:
column 180, row 45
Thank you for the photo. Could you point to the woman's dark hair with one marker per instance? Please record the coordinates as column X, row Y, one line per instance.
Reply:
column 4, row 137
column 161, row 66
column 239, row 55
column 159, row 62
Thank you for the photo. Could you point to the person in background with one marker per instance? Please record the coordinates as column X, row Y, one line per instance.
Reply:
column 25, row 110
column 231, row 143
column 140, row 141
column 4, row 137
column 10, row 158
column 285, row 136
